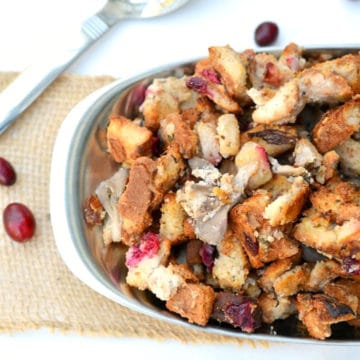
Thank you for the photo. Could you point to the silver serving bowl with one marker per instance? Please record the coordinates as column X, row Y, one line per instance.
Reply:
column 80, row 162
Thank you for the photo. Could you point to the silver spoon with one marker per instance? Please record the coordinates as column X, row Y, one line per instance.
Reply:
column 34, row 80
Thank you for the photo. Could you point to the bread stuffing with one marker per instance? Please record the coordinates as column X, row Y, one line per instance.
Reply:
column 229, row 176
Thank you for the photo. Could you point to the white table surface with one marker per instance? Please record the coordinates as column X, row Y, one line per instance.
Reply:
column 27, row 32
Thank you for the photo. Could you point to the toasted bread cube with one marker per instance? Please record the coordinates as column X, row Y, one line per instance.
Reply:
column 206, row 81
column 347, row 66
column 319, row 311
column 306, row 155
column 172, row 219
column 173, row 130
column 252, row 153
column 292, row 281
column 193, row 302
column 231, row 267
column 321, row 274
column 342, row 206
column 152, row 273
column 193, row 252
column 134, row 205
column 126, row 140
column 274, row 270
column 261, row 242
column 232, row 69
column 346, row 291
column 287, row 207
column 209, row 142
column 318, row 231
column 229, row 135
column 274, row 308
column 166, row 96
column 184, row 271
column 328, row 168
column 169, row 167
column 336, row 126
column 279, row 107
column 348, row 151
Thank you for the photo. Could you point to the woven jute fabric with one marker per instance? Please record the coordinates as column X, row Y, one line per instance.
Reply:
column 36, row 288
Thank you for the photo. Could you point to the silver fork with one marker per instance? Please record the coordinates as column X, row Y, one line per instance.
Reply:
column 34, row 80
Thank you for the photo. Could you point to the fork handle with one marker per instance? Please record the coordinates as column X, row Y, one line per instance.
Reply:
column 35, row 79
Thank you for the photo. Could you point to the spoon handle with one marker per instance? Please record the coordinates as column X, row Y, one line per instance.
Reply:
column 35, row 79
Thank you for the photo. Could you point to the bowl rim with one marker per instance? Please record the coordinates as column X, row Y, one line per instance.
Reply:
column 66, row 231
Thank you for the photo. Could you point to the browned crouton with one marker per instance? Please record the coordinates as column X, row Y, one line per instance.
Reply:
column 126, row 140
column 287, row 206
column 232, row 68
column 194, row 302
column 347, row 66
column 208, row 82
column 133, row 204
column 273, row 271
column 261, row 242
column 337, row 125
column 172, row 219
column 317, row 230
column 319, row 311
column 348, row 151
column 346, row 291
column 341, row 206
column 292, row 281
column 164, row 97
column 193, row 252
column 173, row 130
column 184, row 271
column 322, row 273
column 328, row 168
column 169, row 167
column 231, row 267
column 274, row 308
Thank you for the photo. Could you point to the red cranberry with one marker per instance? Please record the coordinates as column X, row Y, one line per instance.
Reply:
column 198, row 84
column 351, row 266
column 148, row 247
column 19, row 222
column 207, row 253
column 266, row 33
column 211, row 75
column 7, row 173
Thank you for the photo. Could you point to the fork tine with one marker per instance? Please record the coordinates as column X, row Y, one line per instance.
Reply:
column 94, row 27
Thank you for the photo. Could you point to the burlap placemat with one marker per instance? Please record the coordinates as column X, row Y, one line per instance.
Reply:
column 37, row 290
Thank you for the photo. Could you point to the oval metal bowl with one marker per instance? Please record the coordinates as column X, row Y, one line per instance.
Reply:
column 80, row 162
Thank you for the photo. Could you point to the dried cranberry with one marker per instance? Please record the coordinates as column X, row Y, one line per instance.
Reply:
column 241, row 315
column 7, row 173
column 198, row 84
column 266, row 33
column 19, row 222
column 237, row 310
column 272, row 74
column 351, row 265
column 148, row 247
column 211, row 75
column 207, row 253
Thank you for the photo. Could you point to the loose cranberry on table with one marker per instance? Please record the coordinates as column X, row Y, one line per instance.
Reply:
column 7, row 173
column 19, row 222
column 266, row 33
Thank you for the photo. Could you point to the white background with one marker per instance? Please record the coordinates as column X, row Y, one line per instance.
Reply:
column 29, row 30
